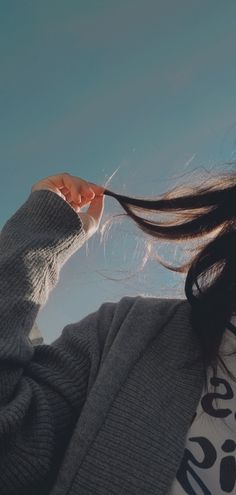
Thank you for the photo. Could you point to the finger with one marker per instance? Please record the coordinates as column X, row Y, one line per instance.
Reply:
column 80, row 190
column 99, row 190
column 71, row 187
column 91, row 219
column 65, row 183
column 64, row 190
column 87, row 193
column 75, row 205
column 59, row 180
column 96, row 208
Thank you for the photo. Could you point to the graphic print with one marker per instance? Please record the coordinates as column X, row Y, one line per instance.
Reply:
column 216, row 450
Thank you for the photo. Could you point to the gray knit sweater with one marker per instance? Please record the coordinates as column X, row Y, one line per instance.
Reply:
column 105, row 409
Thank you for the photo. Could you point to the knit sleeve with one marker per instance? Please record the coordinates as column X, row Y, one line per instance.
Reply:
column 42, row 388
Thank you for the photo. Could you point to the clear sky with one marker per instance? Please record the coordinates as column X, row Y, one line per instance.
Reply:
column 142, row 89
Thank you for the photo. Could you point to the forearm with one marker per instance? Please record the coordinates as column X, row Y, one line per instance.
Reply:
column 34, row 393
column 34, row 245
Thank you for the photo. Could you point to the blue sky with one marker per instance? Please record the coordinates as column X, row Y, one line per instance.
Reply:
column 144, row 90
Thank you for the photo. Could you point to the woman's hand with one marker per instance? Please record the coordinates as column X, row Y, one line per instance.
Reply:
column 77, row 193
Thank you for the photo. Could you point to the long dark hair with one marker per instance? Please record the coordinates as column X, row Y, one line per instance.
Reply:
column 202, row 210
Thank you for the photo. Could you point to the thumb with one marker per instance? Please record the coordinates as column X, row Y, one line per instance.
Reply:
column 91, row 219
column 96, row 207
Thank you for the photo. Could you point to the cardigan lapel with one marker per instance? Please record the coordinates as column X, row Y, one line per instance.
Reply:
column 149, row 350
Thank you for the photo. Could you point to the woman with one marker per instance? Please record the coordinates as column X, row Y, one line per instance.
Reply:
column 120, row 402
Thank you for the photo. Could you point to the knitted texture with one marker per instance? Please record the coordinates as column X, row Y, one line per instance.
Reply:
column 42, row 389
column 104, row 410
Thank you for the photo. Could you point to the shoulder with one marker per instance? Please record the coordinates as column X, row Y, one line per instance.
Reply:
column 142, row 310
column 149, row 304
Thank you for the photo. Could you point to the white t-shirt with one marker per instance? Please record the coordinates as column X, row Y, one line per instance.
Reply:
column 208, row 465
